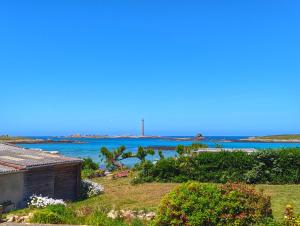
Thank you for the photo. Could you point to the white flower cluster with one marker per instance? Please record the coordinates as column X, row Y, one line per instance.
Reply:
column 41, row 202
column 91, row 188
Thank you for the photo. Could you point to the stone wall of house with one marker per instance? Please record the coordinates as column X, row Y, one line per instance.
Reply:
column 11, row 188
column 56, row 181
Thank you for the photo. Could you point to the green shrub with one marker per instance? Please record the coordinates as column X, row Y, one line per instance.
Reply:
column 289, row 217
column 90, row 169
column 193, row 203
column 265, row 166
column 275, row 166
column 100, row 219
column 47, row 217
column 164, row 170
column 56, row 214
column 89, row 173
column 219, row 167
column 89, row 164
column 205, row 167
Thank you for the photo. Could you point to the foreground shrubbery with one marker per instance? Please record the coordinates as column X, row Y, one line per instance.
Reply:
column 90, row 169
column 59, row 214
column 53, row 214
column 193, row 203
column 289, row 217
column 265, row 166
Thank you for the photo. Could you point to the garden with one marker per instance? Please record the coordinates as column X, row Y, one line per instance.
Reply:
column 222, row 188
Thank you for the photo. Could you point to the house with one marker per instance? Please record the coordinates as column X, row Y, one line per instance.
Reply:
column 24, row 172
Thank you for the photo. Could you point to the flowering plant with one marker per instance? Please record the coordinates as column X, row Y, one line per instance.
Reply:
column 41, row 202
column 90, row 189
column 289, row 216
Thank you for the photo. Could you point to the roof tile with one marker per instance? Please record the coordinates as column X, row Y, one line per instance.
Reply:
column 11, row 155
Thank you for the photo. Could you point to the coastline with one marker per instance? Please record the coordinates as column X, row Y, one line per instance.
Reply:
column 182, row 138
column 76, row 140
column 260, row 140
column 41, row 141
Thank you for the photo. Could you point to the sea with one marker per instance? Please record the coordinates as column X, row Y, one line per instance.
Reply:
column 90, row 147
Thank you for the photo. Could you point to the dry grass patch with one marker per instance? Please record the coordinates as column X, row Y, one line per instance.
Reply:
column 122, row 194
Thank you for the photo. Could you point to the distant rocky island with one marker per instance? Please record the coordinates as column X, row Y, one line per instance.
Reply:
column 75, row 138
column 285, row 138
column 88, row 136
column 198, row 137
column 28, row 140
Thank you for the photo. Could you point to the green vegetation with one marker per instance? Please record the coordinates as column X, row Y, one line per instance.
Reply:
column 184, row 150
column 89, row 164
column 59, row 214
column 280, row 137
column 289, row 216
column 10, row 138
column 90, row 169
column 113, row 158
column 17, row 140
column 56, row 214
column 121, row 194
column 266, row 166
column 196, row 203
column 282, row 195
column 193, row 203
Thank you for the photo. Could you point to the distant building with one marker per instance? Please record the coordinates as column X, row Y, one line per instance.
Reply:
column 143, row 128
column 24, row 172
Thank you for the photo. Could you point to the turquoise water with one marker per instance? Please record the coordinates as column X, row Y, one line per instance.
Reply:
column 91, row 147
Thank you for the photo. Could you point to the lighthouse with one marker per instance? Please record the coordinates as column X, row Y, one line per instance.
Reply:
column 142, row 128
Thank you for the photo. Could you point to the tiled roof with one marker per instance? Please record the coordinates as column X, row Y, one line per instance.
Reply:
column 14, row 158
column 6, row 169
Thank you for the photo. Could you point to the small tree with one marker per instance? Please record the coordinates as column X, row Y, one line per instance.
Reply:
column 180, row 149
column 142, row 153
column 161, row 154
column 113, row 158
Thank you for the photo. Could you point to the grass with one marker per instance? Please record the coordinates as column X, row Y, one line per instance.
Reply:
column 6, row 138
column 120, row 194
column 281, row 195
column 281, row 137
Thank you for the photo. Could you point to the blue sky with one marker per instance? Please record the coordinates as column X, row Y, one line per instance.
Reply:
column 215, row 67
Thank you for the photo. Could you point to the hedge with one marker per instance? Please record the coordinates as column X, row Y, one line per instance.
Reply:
column 280, row 166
